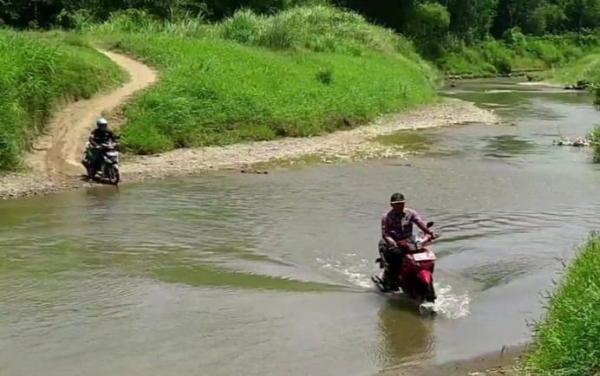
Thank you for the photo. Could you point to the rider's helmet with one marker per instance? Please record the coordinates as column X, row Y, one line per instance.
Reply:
column 397, row 198
column 102, row 123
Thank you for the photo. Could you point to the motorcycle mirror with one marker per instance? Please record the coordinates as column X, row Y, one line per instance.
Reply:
column 430, row 224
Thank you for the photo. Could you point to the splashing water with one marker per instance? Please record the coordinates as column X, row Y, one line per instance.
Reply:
column 451, row 305
column 358, row 273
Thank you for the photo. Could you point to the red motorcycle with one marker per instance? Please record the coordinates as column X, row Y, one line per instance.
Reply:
column 415, row 277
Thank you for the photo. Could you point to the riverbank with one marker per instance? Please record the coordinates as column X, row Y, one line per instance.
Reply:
column 500, row 363
column 568, row 338
column 352, row 144
column 584, row 72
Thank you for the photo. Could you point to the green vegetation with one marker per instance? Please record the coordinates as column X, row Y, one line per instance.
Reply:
column 300, row 73
column 272, row 68
column 567, row 341
column 438, row 27
column 596, row 141
column 585, row 69
column 468, row 20
column 515, row 53
column 36, row 72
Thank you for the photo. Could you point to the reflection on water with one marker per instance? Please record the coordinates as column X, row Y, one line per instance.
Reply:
column 207, row 276
column 507, row 146
column 412, row 141
column 403, row 334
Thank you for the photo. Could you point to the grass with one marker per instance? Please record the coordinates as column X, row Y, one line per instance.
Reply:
column 302, row 72
column 586, row 68
column 567, row 341
column 37, row 72
column 317, row 28
column 596, row 141
column 516, row 54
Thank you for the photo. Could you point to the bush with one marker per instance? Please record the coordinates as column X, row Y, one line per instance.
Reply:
column 325, row 76
column 316, row 28
column 243, row 27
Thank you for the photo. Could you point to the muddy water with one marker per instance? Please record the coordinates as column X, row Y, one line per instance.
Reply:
column 256, row 275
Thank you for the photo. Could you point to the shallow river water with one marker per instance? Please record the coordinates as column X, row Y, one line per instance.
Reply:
column 269, row 274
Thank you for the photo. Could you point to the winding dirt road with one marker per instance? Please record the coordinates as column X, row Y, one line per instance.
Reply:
column 53, row 165
column 59, row 152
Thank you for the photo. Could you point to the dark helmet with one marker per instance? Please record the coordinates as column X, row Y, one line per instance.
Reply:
column 397, row 198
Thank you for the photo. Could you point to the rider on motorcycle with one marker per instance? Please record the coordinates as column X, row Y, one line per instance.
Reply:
column 99, row 136
column 396, row 226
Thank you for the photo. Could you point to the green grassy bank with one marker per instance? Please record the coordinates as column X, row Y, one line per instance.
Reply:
column 37, row 72
column 515, row 53
column 567, row 341
column 586, row 68
column 302, row 72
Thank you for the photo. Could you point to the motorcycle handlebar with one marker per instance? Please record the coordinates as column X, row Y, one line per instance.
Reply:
column 112, row 145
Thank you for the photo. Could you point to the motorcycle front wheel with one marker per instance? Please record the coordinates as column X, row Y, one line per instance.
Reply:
column 430, row 293
column 112, row 175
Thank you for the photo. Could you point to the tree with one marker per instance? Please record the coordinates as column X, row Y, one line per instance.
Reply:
column 582, row 14
column 514, row 13
column 429, row 26
column 29, row 13
column 429, row 20
column 394, row 14
column 471, row 19
column 546, row 18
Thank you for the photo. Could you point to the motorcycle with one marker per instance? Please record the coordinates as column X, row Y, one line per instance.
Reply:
column 107, row 161
column 415, row 277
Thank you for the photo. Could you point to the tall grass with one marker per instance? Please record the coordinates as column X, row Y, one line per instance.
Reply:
column 519, row 53
column 36, row 72
column 138, row 21
column 317, row 28
column 585, row 69
column 302, row 72
column 567, row 341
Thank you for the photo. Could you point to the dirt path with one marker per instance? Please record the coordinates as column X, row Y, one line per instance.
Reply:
column 59, row 152
column 54, row 164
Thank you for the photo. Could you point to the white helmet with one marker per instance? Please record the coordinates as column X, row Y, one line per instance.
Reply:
column 101, row 122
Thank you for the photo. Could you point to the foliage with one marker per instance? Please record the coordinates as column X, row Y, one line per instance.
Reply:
column 567, row 341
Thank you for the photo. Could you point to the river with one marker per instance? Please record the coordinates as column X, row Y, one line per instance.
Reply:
column 269, row 274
